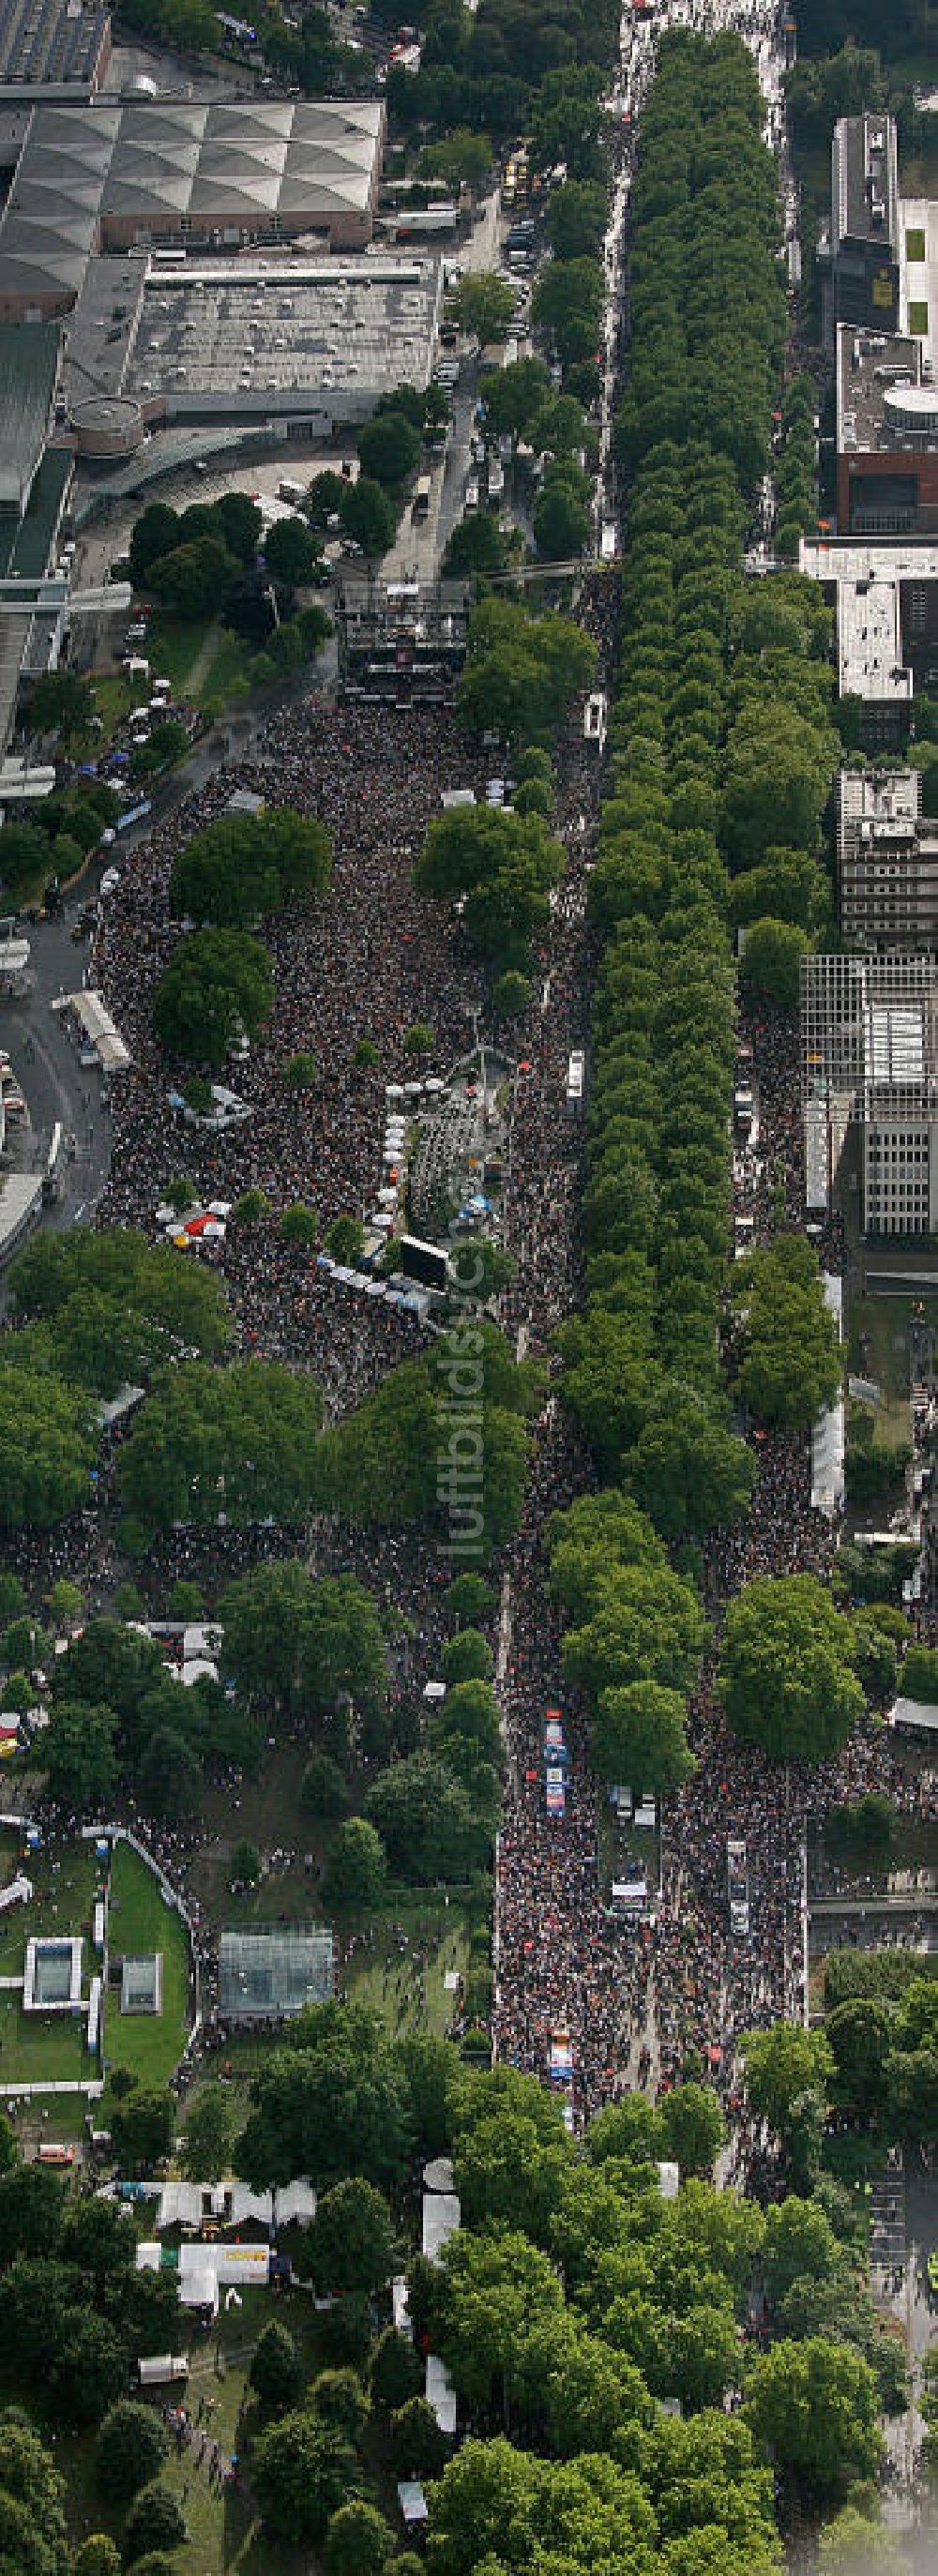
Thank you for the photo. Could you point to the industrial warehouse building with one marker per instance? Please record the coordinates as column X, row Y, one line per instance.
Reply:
column 52, row 49
column 280, row 341
column 112, row 176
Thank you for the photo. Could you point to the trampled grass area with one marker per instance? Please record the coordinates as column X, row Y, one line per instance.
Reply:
column 224, row 2532
column 225, row 2537
column 878, row 1344
column 150, row 2044
column 399, row 1963
column 114, row 696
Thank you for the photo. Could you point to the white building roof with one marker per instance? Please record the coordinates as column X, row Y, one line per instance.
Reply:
column 868, row 576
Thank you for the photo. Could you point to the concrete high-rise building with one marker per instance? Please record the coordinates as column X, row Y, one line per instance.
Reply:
column 860, row 280
column 887, row 861
column 870, row 1065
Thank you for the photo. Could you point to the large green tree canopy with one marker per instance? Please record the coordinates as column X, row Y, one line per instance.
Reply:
column 217, row 988
column 786, row 1672
column 245, row 865
column 104, row 1308
column 239, row 1444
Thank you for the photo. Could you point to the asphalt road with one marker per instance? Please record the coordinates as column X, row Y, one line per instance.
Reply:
column 38, row 1040
column 54, row 1084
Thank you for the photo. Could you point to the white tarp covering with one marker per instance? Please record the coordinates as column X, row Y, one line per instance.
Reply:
column 440, row 2393
column 828, row 1438
column 918, row 1714
column 441, row 2215
column 18, row 1892
column 815, row 1156
column 94, row 1018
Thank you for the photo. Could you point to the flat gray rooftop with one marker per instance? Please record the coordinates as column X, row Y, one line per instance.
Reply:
column 868, row 364
column 864, row 176
column 241, row 335
column 29, row 363
column 887, row 800
column 49, row 44
column 868, row 575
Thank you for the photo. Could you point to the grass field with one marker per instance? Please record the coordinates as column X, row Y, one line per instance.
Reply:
column 149, row 2043
column 878, row 1344
column 41, row 2048
column 204, row 660
column 64, row 1887
column 50, row 2048
column 382, row 1969
column 46, row 2048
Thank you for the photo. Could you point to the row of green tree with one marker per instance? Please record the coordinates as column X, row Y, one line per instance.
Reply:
column 599, row 2334
column 708, row 313
column 720, row 751
column 642, row 1364
column 796, row 470
column 795, row 1673
column 244, row 1441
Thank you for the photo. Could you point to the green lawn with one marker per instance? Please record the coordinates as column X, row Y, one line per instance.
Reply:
column 203, row 659
column 41, row 2048
column 45, row 2048
column 149, row 2043
column 64, row 1883
column 377, row 1973
column 114, row 696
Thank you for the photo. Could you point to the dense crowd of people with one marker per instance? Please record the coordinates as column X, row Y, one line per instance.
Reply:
column 642, row 1993
column 639, row 1991
column 367, row 962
